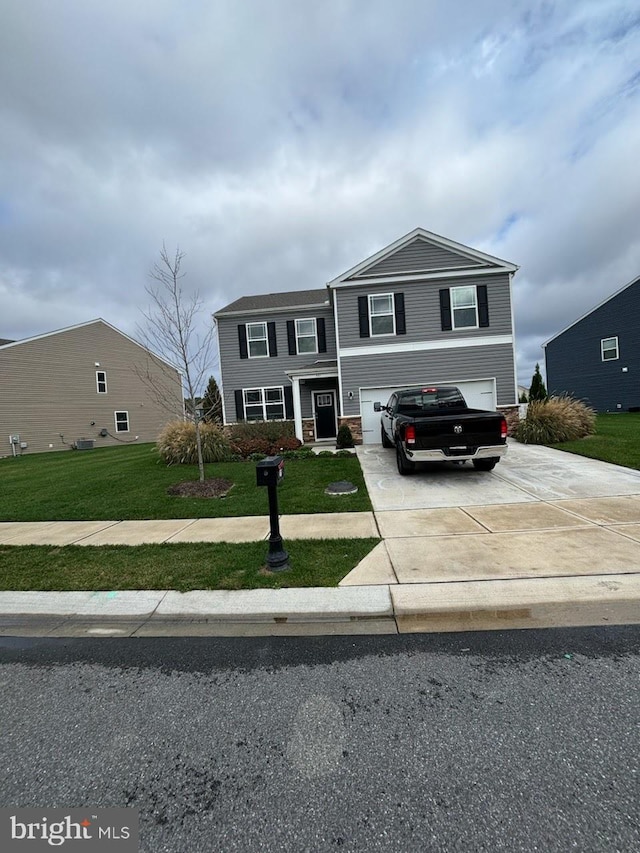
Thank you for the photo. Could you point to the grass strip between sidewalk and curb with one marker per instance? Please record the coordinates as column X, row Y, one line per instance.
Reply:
column 181, row 567
column 116, row 483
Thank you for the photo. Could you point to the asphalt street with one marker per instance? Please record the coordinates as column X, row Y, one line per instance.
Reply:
column 524, row 740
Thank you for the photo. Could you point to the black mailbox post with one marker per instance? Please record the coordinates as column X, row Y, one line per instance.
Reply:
column 270, row 473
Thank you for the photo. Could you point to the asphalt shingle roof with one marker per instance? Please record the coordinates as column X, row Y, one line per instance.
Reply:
column 291, row 299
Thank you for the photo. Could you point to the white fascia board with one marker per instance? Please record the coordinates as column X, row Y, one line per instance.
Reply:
column 424, row 346
column 595, row 308
column 425, row 276
column 312, row 374
column 432, row 238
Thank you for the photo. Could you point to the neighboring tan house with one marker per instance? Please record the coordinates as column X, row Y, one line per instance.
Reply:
column 423, row 310
column 597, row 358
column 80, row 387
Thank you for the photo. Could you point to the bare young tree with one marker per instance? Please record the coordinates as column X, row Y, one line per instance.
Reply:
column 171, row 331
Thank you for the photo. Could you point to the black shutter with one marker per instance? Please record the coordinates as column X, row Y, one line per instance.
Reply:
column 242, row 340
column 322, row 335
column 291, row 337
column 401, row 326
column 483, row 305
column 445, row 310
column 288, row 402
column 363, row 316
column 271, row 335
column 239, row 405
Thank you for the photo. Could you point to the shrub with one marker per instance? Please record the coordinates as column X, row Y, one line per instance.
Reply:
column 301, row 453
column 556, row 420
column 326, row 453
column 266, row 437
column 344, row 454
column 344, row 437
column 176, row 444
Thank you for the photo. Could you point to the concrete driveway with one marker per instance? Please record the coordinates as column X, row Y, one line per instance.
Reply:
column 541, row 513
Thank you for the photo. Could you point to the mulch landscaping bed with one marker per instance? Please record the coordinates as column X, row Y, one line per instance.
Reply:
column 214, row 487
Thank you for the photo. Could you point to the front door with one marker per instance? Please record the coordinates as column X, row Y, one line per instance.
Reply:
column 324, row 407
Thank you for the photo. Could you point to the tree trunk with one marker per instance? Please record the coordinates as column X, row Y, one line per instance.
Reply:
column 199, row 448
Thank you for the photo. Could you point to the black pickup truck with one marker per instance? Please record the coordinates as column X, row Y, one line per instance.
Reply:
column 434, row 424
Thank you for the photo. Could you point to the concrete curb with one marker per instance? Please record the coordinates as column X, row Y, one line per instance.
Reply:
column 425, row 607
column 318, row 610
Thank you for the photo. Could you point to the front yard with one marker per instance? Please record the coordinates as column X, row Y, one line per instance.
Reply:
column 117, row 483
column 616, row 440
column 130, row 483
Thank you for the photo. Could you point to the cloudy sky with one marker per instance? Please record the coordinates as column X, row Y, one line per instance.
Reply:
column 280, row 142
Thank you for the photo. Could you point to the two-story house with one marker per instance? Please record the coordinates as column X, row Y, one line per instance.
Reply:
column 83, row 386
column 597, row 357
column 423, row 310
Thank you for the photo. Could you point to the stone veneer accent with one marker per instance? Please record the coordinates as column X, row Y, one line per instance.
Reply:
column 512, row 415
column 354, row 422
column 308, row 430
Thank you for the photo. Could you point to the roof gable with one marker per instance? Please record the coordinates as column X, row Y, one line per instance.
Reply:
column 636, row 281
column 97, row 321
column 421, row 253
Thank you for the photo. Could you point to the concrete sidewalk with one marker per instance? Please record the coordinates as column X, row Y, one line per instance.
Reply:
column 548, row 539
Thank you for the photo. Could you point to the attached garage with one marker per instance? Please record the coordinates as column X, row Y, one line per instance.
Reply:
column 479, row 394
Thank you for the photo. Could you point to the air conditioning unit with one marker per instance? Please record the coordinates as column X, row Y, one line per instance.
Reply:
column 84, row 444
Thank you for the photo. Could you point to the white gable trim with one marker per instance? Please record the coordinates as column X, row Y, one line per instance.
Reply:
column 425, row 276
column 444, row 242
column 599, row 305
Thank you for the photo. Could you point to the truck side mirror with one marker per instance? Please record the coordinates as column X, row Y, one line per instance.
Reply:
column 377, row 407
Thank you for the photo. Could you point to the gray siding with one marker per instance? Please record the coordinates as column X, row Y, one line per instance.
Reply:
column 240, row 373
column 574, row 363
column 422, row 310
column 433, row 366
column 48, row 387
column 418, row 256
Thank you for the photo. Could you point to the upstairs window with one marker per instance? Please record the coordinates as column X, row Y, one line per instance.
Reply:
column 609, row 349
column 464, row 307
column 257, row 340
column 382, row 315
column 306, row 336
column 101, row 381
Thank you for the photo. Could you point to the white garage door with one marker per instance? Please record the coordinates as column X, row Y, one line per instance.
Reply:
column 479, row 394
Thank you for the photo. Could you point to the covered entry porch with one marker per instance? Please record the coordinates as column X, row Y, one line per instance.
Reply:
column 316, row 401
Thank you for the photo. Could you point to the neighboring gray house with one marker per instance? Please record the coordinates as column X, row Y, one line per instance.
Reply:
column 423, row 310
column 83, row 384
column 597, row 358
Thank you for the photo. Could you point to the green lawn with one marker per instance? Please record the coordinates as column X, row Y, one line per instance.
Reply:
column 180, row 566
column 617, row 440
column 129, row 482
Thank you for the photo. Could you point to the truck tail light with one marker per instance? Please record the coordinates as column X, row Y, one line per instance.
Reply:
column 410, row 434
column 503, row 428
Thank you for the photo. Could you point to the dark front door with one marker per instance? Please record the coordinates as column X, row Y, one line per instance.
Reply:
column 324, row 406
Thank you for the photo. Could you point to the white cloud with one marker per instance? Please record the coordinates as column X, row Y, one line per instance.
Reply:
column 281, row 143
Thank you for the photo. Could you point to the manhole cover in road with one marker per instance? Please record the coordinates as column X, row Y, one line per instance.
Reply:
column 342, row 487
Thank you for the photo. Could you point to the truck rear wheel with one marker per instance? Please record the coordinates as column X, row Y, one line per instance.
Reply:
column 404, row 466
column 485, row 464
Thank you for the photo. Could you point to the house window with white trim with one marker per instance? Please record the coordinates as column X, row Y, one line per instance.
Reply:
column 382, row 315
column 306, row 336
column 609, row 349
column 101, row 381
column 263, row 404
column 257, row 340
column 122, row 421
column 464, row 307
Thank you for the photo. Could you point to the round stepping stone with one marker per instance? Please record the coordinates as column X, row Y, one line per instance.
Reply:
column 342, row 487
